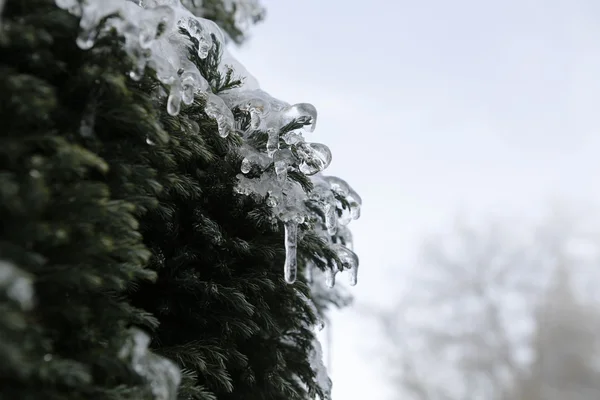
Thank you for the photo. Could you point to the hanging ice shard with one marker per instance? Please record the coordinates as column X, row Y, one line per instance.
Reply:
column 291, row 262
column 330, row 277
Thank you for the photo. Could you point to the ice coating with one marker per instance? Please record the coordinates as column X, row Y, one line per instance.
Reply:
column 16, row 285
column 151, row 29
column 161, row 374
column 158, row 34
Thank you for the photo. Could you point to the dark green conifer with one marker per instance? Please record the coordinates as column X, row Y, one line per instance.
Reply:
column 123, row 215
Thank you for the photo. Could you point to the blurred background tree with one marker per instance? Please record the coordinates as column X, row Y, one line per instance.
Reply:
column 496, row 312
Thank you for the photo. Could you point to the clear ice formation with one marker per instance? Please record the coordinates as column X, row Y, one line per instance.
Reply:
column 161, row 374
column 151, row 29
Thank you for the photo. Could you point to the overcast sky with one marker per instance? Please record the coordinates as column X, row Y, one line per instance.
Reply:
column 431, row 107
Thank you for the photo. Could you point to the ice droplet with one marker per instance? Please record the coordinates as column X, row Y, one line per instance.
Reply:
column 272, row 141
column 315, row 157
column 354, row 275
column 320, row 325
column 355, row 203
column 330, row 219
column 271, row 201
column 86, row 39
column 309, row 272
column 292, row 137
column 291, row 262
column 303, row 113
column 338, row 185
column 135, row 75
column 349, row 261
column 188, row 87
column 174, row 102
column 218, row 110
column 282, row 159
column 330, row 277
column 246, row 166
column 345, row 236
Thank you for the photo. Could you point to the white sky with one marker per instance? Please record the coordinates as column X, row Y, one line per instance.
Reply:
column 483, row 106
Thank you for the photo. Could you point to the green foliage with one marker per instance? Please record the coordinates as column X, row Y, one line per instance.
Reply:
column 59, row 221
column 125, row 215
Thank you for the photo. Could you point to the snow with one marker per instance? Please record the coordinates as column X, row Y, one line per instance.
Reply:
column 151, row 29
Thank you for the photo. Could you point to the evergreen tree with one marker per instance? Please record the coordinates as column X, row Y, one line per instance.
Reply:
column 117, row 212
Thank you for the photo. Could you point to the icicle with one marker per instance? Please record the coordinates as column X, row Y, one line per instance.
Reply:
column 354, row 275
column 291, row 262
column 309, row 272
column 330, row 277
column 355, row 203
column 330, row 219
